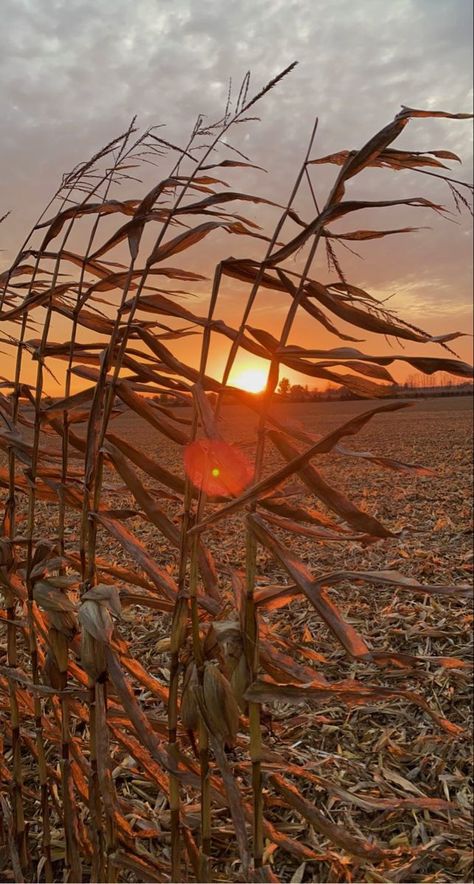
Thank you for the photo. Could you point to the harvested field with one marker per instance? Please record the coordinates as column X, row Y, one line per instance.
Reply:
column 389, row 752
column 371, row 768
column 434, row 510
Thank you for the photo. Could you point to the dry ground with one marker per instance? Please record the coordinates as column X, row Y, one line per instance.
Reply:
column 392, row 745
column 386, row 751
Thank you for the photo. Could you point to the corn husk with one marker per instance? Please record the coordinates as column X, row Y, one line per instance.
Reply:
column 52, row 674
column 59, row 648
column 189, row 706
column 92, row 655
column 222, row 711
column 240, row 681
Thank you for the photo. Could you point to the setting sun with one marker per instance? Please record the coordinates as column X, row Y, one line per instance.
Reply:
column 251, row 379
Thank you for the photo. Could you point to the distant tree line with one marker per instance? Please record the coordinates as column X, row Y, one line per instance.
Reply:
column 439, row 384
column 416, row 385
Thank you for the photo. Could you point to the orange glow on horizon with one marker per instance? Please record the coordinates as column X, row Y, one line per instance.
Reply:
column 253, row 380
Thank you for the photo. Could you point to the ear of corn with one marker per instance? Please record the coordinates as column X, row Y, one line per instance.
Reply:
column 222, row 712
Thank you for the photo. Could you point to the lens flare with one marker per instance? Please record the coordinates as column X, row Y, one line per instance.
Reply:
column 217, row 468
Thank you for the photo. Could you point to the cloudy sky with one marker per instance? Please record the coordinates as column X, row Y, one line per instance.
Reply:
column 73, row 72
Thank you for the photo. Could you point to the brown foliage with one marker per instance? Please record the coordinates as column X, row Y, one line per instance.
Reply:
column 133, row 771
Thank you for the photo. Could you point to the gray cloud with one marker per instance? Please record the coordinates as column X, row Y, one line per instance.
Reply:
column 73, row 73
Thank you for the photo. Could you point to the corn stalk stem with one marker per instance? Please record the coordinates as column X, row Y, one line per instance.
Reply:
column 89, row 527
column 9, row 527
column 250, row 637
column 69, row 810
column 29, row 557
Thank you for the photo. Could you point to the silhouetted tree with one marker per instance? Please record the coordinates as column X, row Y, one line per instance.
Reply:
column 284, row 387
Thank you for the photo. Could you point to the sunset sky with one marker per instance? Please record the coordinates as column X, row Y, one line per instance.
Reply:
column 73, row 73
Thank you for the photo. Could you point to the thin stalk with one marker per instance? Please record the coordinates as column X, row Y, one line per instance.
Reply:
column 72, row 856
column 67, row 388
column 107, row 788
column 10, row 509
column 250, row 637
column 206, row 816
column 95, row 804
column 177, row 634
column 226, row 125
column 46, row 842
column 206, row 821
column 29, row 558
column 25, row 243
column 250, row 641
column 256, row 285
column 90, row 529
column 197, row 649
column 17, row 774
column 9, row 528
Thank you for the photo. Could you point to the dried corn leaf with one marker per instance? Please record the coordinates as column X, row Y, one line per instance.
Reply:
column 349, row 692
column 344, row 632
column 331, row 497
column 337, row 834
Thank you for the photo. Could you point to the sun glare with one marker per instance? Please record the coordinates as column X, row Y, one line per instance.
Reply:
column 251, row 379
